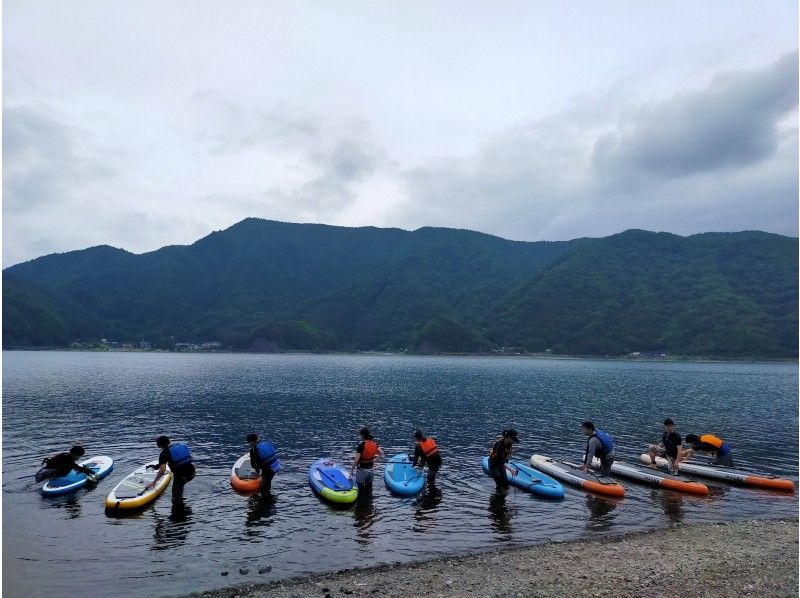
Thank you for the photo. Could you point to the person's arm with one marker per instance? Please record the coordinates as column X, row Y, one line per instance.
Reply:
column 381, row 453
column 418, row 457
column 590, row 451
column 162, row 469
column 356, row 458
column 254, row 461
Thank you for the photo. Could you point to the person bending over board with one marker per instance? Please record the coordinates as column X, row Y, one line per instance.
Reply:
column 708, row 443
column 498, row 457
column 426, row 452
column 671, row 447
column 179, row 459
column 264, row 460
column 598, row 444
column 62, row 463
column 364, row 460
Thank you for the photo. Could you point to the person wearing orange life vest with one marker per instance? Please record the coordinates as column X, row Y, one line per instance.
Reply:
column 364, row 460
column 426, row 452
column 708, row 443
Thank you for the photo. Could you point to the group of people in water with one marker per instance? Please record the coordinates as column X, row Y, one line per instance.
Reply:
column 264, row 457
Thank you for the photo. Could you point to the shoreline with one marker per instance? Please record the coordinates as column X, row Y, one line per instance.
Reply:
column 548, row 356
column 758, row 557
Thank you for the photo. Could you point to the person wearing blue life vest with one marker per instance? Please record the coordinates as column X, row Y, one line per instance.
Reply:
column 179, row 459
column 264, row 460
column 600, row 445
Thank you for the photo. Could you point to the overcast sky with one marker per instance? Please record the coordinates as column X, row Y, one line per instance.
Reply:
column 150, row 123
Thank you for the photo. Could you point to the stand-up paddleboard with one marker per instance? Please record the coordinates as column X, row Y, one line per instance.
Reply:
column 727, row 474
column 332, row 482
column 132, row 492
column 529, row 479
column 401, row 477
column 655, row 478
column 572, row 474
column 243, row 477
column 101, row 466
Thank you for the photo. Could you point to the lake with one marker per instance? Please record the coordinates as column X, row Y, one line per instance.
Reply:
column 312, row 406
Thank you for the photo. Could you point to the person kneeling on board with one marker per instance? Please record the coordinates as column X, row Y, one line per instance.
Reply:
column 498, row 457
column 598, row 444
column 364, row 460
column 264, row 460
column 179, row 459
column 426, row 452
column 671, row 447
column 708, row 443
column 62, row 463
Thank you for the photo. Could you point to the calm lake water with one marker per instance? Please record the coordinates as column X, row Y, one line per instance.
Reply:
column 312, row 406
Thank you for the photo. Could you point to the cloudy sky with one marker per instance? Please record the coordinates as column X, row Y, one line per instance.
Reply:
column 149, row 123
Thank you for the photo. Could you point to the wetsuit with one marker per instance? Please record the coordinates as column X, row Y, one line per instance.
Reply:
column 497, row 463
column 60, row 465
column 181, row 474
column 432, row 459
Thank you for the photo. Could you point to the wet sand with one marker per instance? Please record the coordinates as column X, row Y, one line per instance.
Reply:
column 757, row 558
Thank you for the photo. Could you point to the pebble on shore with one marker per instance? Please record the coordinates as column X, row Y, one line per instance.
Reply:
column 729, row 559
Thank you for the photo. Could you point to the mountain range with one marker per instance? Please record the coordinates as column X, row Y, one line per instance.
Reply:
column 266, row 285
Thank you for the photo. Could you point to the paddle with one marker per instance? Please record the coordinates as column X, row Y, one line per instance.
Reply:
column 332, row 480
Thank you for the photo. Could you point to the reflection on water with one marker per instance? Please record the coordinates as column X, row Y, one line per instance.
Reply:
column 260, row 510
column 601, row 511
column 172, row 531
column 364, row 516
column 310, row 406
column 428, row 502
column 671, row 502
column 500, row 514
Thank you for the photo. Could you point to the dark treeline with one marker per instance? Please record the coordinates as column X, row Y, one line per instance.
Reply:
column 270, row 286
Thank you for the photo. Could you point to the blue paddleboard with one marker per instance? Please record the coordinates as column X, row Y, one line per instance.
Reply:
column 401, row 477
column 101, row 466
column 332, row 482
column 529, row 479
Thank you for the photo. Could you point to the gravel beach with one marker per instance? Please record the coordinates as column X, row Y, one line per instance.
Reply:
column 756, row 558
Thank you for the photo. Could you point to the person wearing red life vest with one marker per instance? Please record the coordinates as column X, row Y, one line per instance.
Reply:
column 427, row 452
column 364, row 460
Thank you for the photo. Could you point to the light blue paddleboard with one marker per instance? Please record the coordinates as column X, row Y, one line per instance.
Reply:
column 401, row 477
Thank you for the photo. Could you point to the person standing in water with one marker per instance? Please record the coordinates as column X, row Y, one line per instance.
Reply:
column 264, row 460
column 426, row 452
column 599, row 444
column 364, row 460
column 179, row 459
column 498, row 457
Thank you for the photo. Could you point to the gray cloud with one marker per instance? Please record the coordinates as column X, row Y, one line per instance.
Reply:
column 723, row 158
column 731, row 123
column 44, row 159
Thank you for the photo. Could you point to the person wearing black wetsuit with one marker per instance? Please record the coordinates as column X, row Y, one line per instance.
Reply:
column 426, row 452
column 62, row 463
column 498, row 457
column 179, row 459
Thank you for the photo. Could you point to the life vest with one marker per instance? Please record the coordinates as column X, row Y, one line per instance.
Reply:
column 180, row 454
column 428, row 447
column 368, row 454
column 605, row 440
column 712, row 440
column 266, row 452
